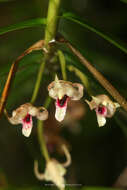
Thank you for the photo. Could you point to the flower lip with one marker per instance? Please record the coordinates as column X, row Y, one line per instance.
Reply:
column 102, row 110
column 62, row 102
column 27, row 118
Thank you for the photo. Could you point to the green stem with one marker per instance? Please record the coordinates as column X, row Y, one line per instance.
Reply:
column 38, row 82
column 41, row 140
column 52, row 18
column 62, row 64
column 50, row 33
column 47, row 102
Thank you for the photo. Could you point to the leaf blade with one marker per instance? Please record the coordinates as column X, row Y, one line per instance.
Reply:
column 91, row 28
column 22, row 25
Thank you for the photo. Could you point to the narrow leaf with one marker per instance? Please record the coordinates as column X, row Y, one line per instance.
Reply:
column 117, row 43
column 22, row 25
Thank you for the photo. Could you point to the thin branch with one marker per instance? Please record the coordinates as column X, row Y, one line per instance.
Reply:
column 98, row 76
column 37, row 46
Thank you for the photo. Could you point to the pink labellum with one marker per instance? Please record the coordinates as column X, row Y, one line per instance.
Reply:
column 101, row 110
column 61, row 106
column 27, row 125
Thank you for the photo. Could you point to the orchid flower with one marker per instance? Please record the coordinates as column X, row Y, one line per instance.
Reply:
column 23, row 115
column 63, row 91
column 54, row 171
column 104, row 108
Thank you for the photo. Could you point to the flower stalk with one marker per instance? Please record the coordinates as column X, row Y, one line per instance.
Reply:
column 50, row 34
column 41, row 140
column 62, row 64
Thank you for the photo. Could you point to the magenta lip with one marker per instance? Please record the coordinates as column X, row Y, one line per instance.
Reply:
column 27, row 118
column 102, row 110
column 62, row 103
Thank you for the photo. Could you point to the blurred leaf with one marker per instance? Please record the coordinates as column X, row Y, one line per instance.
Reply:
column 22, row 188
column 90, row 27
column 5, row 1
column 99, row 188
column 69, row 188
column 22, row 25
column 121, row 119
column 124, row 1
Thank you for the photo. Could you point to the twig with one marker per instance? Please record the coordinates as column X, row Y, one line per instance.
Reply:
column 37, row 46
column 98, row 76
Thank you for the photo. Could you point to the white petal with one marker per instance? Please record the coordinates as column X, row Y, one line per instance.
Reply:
column 116, row 105
column 26, row 131
column 61, row 93
column 96, row 100
column 53, row 173
column 101, row 120
column 89, row 103
column 33, row 111
column 57, row 82
column 60, row 112
column 42, row 113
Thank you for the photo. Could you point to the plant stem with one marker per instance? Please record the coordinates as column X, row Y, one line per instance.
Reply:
column 47, row 102
column 50, row 33
column 38, row 82
column 52, row 19
column 98, row 76
column 62, row 64
column 11, row 75
column 41, row 140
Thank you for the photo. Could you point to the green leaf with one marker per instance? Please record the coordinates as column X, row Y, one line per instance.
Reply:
column 22, row 25
column 115, row 42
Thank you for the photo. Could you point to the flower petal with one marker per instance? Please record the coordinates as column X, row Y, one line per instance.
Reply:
column 101, row 120
column 54, row 172
column 27, row 127
column 60, row 112
column 42, row 113
column 116, row 105
column 59, row 88
column 77, row 91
